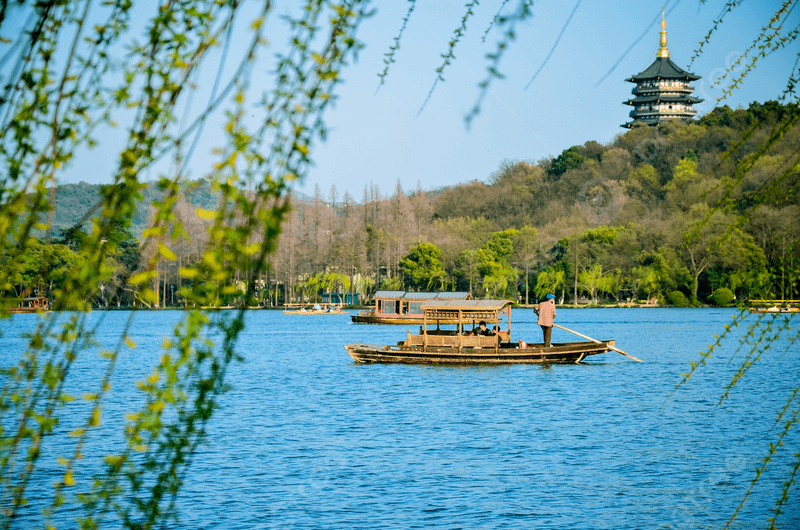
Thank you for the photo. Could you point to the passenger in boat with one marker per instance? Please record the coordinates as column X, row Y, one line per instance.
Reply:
column 483, row 330
column 547, row 313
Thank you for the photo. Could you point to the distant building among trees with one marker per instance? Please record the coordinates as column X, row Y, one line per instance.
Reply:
column 663, row 90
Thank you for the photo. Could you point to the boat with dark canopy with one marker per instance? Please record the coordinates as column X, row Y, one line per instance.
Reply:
column 402, row 307
column 465, row 345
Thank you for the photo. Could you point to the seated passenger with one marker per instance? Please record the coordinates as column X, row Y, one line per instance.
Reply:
column 483, row 330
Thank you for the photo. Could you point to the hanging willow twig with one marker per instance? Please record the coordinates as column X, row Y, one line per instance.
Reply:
column 47, row 118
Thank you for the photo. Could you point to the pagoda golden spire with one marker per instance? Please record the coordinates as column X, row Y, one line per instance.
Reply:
column 663, row 52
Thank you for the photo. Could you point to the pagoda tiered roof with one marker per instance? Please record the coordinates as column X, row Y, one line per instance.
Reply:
column 663, row 68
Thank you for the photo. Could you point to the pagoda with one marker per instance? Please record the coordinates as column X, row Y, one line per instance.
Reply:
column 663, row 91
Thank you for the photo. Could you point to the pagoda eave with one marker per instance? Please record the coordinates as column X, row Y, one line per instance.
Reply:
column 686, row 100
column 638, row 79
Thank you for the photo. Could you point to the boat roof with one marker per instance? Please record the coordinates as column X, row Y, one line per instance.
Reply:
column 466, row 305
column 409, row 295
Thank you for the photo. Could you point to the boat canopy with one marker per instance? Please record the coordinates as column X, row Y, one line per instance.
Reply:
column 465, row 309
column 409, row 295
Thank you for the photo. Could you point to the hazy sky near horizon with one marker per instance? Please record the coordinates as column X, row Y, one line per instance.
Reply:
column 580, row 50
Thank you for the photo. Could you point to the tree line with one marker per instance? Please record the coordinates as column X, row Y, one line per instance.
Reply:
column 636, row 219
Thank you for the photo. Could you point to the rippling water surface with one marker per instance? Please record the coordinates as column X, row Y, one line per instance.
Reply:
column 309, row 439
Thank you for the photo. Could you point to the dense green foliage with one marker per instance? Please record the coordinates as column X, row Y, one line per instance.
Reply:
column 422, row 268
column 677, row 299
column 722, row 296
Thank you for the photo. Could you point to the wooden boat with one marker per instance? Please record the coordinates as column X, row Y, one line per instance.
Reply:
column 314, row 309
column 402, row 307
column 33, row 304
column 462, row 346
column 774, row 309
column 775, row 306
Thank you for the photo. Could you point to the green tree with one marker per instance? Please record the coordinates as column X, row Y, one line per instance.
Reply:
column 776, row 230
column 526, row 249
column 469, row 267
column 501, row 245
column 499, row 277
column 659, row 273
column 549, row 281
column 677, row 299
column 705, row 242
column 568, row 159
column 595, row 281
column 422, row 268
column 41, row 267
column 646, row 280
column 722, row 296
column 500, row 282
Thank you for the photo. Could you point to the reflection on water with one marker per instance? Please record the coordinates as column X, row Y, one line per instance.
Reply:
column 309, row 439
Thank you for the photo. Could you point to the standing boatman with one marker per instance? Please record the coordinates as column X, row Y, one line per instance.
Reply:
column 547, row 313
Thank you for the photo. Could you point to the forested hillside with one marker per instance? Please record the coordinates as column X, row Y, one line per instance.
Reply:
column 647, row 216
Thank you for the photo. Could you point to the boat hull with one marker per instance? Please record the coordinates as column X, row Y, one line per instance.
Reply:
column 559, row 353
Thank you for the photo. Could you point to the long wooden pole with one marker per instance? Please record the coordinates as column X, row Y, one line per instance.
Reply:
column 599, row 342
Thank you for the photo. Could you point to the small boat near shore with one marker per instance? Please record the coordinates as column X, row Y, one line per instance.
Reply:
column 314, row 309
column 774, row 309
column 775, row 306
column 32, row 304
column 465, row 345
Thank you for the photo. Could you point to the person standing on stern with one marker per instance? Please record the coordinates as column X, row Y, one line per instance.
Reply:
column 547, row 313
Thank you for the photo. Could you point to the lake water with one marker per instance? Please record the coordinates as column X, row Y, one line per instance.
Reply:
column 309, row 439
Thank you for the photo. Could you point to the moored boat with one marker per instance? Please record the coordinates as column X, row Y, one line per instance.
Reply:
column 775, row 306
column 465, row 345
column 32, row 304
column 403, row 307
column 314, row 309
column 774, row 309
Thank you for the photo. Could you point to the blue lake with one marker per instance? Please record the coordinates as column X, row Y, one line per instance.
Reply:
column 307, row 438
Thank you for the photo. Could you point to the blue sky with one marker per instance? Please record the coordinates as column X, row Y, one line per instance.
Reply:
column 379, row 135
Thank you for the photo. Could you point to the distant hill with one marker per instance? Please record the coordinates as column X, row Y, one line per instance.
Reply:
column 74, row 201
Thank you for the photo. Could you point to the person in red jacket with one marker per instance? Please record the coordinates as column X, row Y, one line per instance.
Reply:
column 547, row 313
